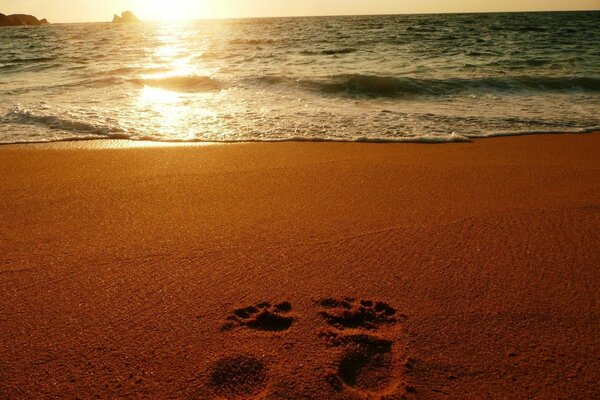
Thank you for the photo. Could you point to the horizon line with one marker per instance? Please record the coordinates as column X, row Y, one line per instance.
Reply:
column 333, row 15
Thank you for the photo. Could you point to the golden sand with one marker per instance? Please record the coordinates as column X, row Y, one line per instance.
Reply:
column 301, row 270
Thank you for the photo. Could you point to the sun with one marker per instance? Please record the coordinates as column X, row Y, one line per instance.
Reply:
column 151, row 10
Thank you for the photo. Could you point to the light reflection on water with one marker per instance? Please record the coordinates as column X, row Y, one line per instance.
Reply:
column 171, row 109
column 166, row 106
column 338, row 78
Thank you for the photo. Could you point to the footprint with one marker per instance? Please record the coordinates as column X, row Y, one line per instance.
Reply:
column 368, row 364
column 262, row 316
column 349, row 313
column 367, row 367
column 238, row 377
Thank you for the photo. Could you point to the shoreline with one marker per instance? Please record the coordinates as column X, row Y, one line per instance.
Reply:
column 126, row 143
column 123, row 273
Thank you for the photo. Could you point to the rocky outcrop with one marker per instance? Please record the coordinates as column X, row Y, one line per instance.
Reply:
column 126, row 17
column 21, row 20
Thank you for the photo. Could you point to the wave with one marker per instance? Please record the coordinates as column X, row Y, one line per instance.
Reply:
column 387, row 86
column 73, row 127
column 329, row 52
column 528, row 28
column 186, row 83
column 429, row 139
column 31, row 60
column 475, row 53
column 98, row 82
column 191, row 83
column 135, row 70
column 210, row 55
column 252, row 42
column 22, row 116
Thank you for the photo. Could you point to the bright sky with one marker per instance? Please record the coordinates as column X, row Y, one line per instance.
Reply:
column 103, row 10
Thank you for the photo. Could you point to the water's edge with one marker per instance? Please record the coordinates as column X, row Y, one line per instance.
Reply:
column 453, row 138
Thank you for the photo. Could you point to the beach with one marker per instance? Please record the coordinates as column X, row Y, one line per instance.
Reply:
column 301, row 270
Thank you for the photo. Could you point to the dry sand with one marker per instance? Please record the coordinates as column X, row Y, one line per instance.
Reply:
column 465, row 270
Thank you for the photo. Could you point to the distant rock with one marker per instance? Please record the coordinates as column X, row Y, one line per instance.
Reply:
column 21, row 20
column 126, row 17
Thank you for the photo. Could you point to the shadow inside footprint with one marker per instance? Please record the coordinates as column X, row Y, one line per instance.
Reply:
column 365, row 364
column 348, row 313
column 364, row 370
column 238, row 376
column 263, row 316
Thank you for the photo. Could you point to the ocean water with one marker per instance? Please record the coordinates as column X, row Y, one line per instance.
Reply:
column 431, row 78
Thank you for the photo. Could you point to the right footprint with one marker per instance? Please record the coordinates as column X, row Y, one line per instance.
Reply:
column 262, row 316
column 349, row 313
column 368, row 364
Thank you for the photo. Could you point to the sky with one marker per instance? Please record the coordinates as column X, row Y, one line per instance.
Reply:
column 103, row 10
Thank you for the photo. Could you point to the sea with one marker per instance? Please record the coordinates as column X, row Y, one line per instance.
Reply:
column 385, row 78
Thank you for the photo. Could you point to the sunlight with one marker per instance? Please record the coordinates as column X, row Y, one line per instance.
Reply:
column 172, row 112
column 166, row 108
column 168, row 96
column 169, row 9
column 174, row 56
column 154, row 96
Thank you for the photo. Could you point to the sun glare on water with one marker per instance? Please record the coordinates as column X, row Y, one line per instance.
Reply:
column 168, row 97
column 170, row 10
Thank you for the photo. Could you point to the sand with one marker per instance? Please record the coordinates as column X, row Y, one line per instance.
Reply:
column 301, row 270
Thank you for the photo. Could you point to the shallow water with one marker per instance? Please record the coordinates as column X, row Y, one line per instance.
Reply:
column 390, row 78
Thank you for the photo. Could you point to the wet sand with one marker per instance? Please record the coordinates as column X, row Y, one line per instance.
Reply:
column 301, row 270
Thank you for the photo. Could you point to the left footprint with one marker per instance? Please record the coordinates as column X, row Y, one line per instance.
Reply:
column 238, row 377
column 262, row 316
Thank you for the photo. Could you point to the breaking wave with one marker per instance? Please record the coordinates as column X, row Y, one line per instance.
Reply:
column 187, row 83
column 22, row 116
column 79, row 130
column 387, row 86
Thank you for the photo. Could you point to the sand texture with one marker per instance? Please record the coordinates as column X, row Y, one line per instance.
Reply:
column 302, row 271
